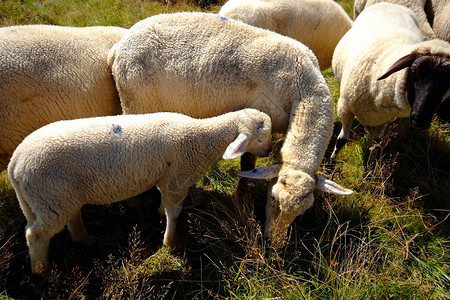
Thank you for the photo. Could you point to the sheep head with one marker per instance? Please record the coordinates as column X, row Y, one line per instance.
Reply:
column 254, row 135
column 290, row 196
column 427, row 84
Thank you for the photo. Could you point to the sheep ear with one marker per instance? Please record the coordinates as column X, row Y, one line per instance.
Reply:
column 404, row 62
column 267, row 172
column 328, row 186
column 237, row 147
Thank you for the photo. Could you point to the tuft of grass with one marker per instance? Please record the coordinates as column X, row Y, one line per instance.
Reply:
column 137, row 277
column 123, row 13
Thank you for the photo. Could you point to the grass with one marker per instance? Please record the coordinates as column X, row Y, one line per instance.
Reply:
column 388, row 240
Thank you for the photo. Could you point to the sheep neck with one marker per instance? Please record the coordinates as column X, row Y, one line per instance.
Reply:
column 309, row 131
column 217, row 133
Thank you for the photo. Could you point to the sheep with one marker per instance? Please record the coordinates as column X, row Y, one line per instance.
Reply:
column 387, row 70
column 203, row 65
column 438, row 12
column 50, row 73
column 319, row 24
column 64, row 165
column 417, row 6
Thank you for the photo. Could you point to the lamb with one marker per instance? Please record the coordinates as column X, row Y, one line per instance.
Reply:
column 204, row 65
column 387, row 70
column 319, row 24
column 62, row 166
column 417, row 6
column 50, row 73
column 438, row 12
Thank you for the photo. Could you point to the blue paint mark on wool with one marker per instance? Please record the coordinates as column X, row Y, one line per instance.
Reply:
column 224, row 19
column 117, row 129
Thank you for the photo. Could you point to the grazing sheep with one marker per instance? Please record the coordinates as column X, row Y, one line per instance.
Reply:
column 51, row 73
column 417, row 6
column 281, row 207
column 387, row 70
column 319, row 24
column 204, row 65
column 438, row 13
column 62, row 166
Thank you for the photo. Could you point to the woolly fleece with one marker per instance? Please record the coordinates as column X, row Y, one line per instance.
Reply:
column 204, row 65
column 51, row 73
column 319, row 24
column 417, row 6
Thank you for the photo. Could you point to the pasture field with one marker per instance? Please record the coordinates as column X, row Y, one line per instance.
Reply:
column 389, row 240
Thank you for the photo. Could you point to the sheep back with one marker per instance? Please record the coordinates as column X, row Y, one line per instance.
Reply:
column 50, row 73
column 204, row 65
column 105, row 159
column 417, row 6
column 319, row 24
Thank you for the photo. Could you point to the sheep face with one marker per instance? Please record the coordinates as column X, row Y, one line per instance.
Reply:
column 261, row 142
column 289, row 197
column 427, row 84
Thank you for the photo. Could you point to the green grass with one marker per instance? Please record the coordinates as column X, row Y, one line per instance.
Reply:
column 122, row 13
column 388, row 240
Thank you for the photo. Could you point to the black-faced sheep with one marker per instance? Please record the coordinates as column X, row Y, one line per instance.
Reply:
column 64, row 165
column 387, row 70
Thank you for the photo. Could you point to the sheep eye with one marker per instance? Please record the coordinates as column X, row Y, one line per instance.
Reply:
column 413, row 69
column 260, row 141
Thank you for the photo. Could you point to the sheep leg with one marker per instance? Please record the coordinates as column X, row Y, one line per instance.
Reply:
column 341, row 141
column 248, row 162
column 77, row 230
column 347, row 120
column 375, row 150
column 38, row 241
column 172, row 202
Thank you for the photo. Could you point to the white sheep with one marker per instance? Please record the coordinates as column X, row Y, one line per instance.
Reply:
column 417, row 6
column 50, row 73
column 62, row 166
column 387, row 70
column 319, row 24
column 204, row 65
column 438, row 12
